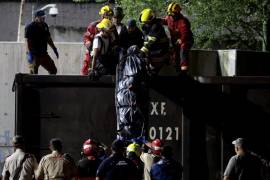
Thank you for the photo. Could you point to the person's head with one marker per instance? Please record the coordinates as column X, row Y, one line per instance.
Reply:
column 105, row 26
column 167, row 152
column 18, row 141
column 106, row 12
column 118, row 15
column 174, row 10
column 89, row 147
column 134, row 148
column 40, row 16
column 56, row 144
column 240, row 146
column 156, row 146
column 118, row 146
column 131, row 25
column 146, row 18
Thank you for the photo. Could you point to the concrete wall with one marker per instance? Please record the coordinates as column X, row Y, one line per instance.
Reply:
column 72, row 18
column 12, row 61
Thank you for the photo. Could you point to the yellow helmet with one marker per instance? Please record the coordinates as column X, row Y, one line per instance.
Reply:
column 106, row 11
column 105, row 24
column 134, row 147
column 173, row 9
column 147, row 15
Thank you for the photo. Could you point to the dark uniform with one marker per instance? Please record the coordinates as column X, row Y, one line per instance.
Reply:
column 87, row 168
column 117, row 167
column 38, row 35
column 156, row 43
column 135, row 35
column 166, row 169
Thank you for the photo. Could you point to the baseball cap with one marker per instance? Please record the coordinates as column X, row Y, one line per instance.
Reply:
column 131, row 23
column 118, row 145
column 240, row 142
column 40, row 13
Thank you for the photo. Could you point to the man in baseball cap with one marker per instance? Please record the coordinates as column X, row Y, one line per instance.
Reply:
column 242, row 142
column 243, row 165
column 40, row 13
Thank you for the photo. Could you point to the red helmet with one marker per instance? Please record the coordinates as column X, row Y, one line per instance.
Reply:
column 89, row 147
column 156, row 146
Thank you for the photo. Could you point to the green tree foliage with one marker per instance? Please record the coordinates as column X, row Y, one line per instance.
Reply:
column 89, row 1
column 216, row 23
column 227, row 24
column 132, row 8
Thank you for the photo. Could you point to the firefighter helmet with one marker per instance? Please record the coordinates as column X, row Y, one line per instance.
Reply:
column 106, row 11
column 134, row 147
column 105, row 24
column 156, row 146
column 173, row 9
column 147, row 15
column 89, row 147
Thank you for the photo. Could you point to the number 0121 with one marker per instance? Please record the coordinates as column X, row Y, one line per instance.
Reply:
column 166, row 133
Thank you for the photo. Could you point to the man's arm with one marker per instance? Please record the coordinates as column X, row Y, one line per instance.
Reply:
column 50, row 42
column 6, row 176
column 29, row 45
column 230, row 169
column 5, row 173
column 39, row 172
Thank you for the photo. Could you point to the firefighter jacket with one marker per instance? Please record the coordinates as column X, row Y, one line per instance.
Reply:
column 156, row 42
column 180, row 29
column 90, row 32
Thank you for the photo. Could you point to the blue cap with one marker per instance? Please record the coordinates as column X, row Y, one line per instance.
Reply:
column 118, row 145
column 39, row 13
column 131, row 23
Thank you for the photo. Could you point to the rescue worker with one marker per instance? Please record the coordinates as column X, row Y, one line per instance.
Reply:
column 103, row 62
column 88, row 37
column 19, row 165
column 121, row 29
column 89, row 164
column 38, row 36
column 181, row 35
column 135, row 35
column 117, row 167
column 166, row 168
column 156, row 42
column 133, row 153
column 152, row 156
column 55, row 165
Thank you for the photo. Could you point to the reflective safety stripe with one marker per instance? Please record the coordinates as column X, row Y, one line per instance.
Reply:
column 170, row 7
column 152, row 38
column 144, row 49
column 129, row 149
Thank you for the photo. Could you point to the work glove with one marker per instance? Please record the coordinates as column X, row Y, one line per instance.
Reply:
column 56, row 52
column 93, row 74
column 142, row 55
column 29, row 57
